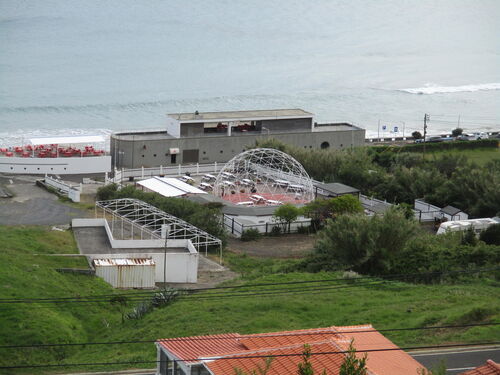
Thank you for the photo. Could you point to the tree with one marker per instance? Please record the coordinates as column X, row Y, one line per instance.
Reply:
column 286, row 214
column 491, row 235
column 416, row 135
column 469, row 237
column 456, row 132
column 365, row 244
column 345, row 204
column 305, row 367
column 353, row 365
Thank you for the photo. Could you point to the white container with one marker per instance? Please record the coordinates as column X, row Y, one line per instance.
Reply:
column 126, row 273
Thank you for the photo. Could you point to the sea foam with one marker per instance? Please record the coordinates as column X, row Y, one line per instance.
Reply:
column 432, row 88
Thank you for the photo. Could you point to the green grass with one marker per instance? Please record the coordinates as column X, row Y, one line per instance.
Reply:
column 480, row 156
column 396, row 304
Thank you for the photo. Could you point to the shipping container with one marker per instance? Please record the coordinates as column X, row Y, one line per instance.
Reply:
column 126, row 272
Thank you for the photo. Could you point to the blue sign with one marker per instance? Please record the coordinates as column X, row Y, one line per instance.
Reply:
column 384, row 127
column 396, row 129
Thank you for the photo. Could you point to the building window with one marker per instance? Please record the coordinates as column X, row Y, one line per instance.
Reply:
column 142, row 155
column 325, row 145
column 221, row 151
column 204, row 152
column 154, row 155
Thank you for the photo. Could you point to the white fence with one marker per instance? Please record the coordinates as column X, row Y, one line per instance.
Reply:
column 72, row 191
column 172, row 171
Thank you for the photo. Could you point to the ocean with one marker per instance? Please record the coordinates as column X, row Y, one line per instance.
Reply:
column 87, row 67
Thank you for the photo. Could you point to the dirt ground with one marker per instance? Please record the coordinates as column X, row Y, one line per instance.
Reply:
column 289, row 246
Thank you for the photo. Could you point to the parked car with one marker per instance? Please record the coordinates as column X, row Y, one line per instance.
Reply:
column 478, row 136
column 473, row 137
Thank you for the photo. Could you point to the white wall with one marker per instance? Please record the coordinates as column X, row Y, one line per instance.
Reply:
column 173, row 127
column 73, row 191
column 182, row 267
column 61, row 166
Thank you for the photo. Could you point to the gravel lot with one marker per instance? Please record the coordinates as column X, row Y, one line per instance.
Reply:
column 32, row 205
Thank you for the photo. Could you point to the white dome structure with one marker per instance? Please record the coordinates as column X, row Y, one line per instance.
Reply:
column 264, row 176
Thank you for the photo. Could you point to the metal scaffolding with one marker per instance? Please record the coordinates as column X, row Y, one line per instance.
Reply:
column 156, row 224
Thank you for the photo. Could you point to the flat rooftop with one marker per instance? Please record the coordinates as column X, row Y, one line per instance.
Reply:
column 243, row 115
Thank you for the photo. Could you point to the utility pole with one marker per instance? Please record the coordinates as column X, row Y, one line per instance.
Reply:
column 378, row 131
column 426, row 118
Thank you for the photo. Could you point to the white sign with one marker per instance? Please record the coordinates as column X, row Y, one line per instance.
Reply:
column 174, row 151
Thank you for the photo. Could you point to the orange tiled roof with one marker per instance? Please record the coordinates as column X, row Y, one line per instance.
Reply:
column 281, row 365
column 395, row 362
column 185, row 348
column 490, row 368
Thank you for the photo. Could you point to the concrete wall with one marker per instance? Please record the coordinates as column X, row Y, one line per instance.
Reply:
column 60, row 166
column 192, row 130
column 181, row 267
column 222, row 148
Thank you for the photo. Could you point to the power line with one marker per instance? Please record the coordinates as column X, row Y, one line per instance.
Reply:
column 319, row 331
column 107, row 297
column 243, row 356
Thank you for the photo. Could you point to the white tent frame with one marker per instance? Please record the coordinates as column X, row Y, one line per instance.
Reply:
column 267, row 167
column 149, row 219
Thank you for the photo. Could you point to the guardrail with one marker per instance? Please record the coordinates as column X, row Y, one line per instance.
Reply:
column 72, row 191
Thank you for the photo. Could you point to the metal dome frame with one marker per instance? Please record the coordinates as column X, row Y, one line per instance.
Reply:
column 270, row 174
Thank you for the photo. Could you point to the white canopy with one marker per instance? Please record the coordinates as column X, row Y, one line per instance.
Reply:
column 169, row 187
column 76, row 139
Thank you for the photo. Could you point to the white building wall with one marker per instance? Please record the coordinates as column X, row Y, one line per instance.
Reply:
column 61, row 166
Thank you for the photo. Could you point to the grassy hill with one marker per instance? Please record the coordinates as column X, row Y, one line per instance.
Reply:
column 27, row 270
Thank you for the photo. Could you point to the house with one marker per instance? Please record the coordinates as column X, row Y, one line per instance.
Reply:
column 429, row 212
column 489, row 368
column 223, row 353
column 334, row 189
column 451, row 213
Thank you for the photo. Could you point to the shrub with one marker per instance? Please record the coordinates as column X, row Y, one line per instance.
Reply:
column 416, row 135
column 456, row 132
column 107, row 192
column 275, row 231
column 491, row 235
column 304, row 229
column 251, row 234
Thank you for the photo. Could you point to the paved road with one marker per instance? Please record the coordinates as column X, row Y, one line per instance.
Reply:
column 458, row 360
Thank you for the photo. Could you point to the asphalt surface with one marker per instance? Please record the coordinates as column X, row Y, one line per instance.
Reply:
column 458, row 360
column 32, row 205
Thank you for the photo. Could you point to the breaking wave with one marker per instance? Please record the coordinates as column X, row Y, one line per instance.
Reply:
column 432, row 88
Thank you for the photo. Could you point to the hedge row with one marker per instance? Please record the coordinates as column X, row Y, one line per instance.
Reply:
column 452, row 145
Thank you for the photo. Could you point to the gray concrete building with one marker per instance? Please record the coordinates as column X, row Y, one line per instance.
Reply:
column 218, row 136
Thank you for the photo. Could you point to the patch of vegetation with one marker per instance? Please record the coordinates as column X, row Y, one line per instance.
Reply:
column 391, row 173
column 251, row 234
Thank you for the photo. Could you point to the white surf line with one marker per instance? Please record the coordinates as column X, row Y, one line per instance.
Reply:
column 455, row 352
column 11, row 182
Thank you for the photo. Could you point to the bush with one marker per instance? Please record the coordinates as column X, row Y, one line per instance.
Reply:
column 466, row 145
column 456, row 132
column 416, row 135
column 251, row 234
column 491, row 235
column 304, row 229
column 106, row 192
column 275, row 231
